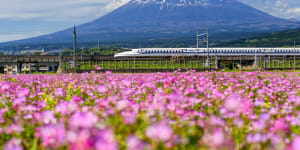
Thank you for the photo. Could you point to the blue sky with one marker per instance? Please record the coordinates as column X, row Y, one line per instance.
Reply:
column 28, row 18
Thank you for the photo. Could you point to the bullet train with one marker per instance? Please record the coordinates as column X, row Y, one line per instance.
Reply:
column 163, row 52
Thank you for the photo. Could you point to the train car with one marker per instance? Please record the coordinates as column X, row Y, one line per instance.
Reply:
column 165, row 52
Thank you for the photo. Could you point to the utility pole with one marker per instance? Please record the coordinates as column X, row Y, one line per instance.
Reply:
column 207, row 45
column 255, row 60
column 60, row 59
column 197, row 37
column 74, row 48
column 197, row 40
column 294, row 55
column 241, row 61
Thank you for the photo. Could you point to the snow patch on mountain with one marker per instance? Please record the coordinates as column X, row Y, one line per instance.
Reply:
column 181, row 3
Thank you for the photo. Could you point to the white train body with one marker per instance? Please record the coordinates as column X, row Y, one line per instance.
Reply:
column 164, row 52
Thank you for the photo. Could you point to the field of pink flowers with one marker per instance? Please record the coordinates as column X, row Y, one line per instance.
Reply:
column 211, row 110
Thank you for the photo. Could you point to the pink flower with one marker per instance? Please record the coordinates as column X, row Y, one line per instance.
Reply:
column 52, row 135
column 97, row 67
column 160, row 132
column 129, row 117
column 59, row 92
column 24, row 92
column 4, row 86
column 218, row 138
column 83, row 120
column 233, row 102
column 77, row 98
column 106, row 140
column 66, row 108
column 14, row 128
column 133, row 143
column 295, row 144
column 80, row 141
column 280, row 125
column 19, row 101
column 46, row 117
column 122, row 104
column 101, row 89
column 13, row 144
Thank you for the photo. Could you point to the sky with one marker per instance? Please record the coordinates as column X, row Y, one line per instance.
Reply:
column 21, row 19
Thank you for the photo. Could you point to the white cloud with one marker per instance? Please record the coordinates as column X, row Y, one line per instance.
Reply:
column 21, row 19
column 294, row 10
column 280, row 8
column 19, row 36
column 57, row 10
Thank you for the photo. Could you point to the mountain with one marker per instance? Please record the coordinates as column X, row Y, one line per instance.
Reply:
column 293, row 19
column 276, row 39
column 144, row 19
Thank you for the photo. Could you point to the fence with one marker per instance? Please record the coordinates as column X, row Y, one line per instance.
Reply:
column 168, row 64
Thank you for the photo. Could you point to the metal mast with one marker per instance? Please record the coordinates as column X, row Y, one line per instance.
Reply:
column 197, row 40
column 207, row 39
column 74, row 47
column 207, row 44
column 294, row 55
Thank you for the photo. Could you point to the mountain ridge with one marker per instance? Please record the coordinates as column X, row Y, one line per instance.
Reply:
column 169, row 18
column 275, row 39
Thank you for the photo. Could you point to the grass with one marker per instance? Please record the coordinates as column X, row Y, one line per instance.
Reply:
column 151, row 64
column 167, row 64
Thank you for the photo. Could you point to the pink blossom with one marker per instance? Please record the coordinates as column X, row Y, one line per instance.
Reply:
column 46, row 117
column 77, row 98
column 280, row 125
column 233, row 102
column 83, row 120
column 102, row 89
column 13, row 144
column 218, row 138
column 79, row 141
column 66, row 108
column 295, row 144
column 97, row 67
column 52, row 135
column 133, row 143
column 14, row 128
column 160, row 132
column 23, row 92
column 106, row 140
column 122, row 104
column 59, row 92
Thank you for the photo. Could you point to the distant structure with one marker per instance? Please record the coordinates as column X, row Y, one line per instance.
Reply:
column 74, row 47
column 30, row 52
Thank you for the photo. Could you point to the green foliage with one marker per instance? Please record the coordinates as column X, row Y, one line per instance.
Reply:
column 102, row 51
column 276, row 39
